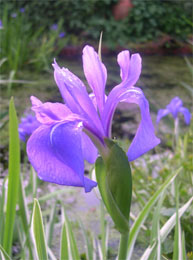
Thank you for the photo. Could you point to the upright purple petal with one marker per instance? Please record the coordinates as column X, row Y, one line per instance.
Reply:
column 145, row 138
column 161, row 113
column 96, row 74
column 130, row 72
column 174, row 106
column 77, row 98
column 186, row 113
column 130, row 69
column 55, row 152
column 60, row 76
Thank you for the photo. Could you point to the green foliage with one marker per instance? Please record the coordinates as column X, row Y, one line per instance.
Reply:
column 23, row 45
column 115, row 184
column 85, row 19
column 13, row 178
column 38, row 232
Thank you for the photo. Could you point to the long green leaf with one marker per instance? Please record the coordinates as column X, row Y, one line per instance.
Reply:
column 88, row 242
column 3, row 254
column 155, row 233
column 2, row 216
column 177, row 252
column 13, row 177
column 144, row 213
column 166, row 229
column 38, row 232
column 183, row 247
column 68, row 237
column 114, row 179
column 50, row 226
column 64, row 244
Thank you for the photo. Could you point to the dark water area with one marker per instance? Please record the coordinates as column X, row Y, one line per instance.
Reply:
column 160, row 80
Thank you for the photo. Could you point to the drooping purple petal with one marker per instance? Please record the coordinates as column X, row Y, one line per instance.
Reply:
column 48, row 113
column 186, row 113
column 89, row 150
column 55, row 152
column 145, row 138
column 96, row 74
column 161, row 113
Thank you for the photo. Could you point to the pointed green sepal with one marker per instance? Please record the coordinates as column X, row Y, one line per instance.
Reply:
column 114, row 179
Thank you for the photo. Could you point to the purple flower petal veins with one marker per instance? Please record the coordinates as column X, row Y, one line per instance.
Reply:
column 174, row 107
column 73, row 132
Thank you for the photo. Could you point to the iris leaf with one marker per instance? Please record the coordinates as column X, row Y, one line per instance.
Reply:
column 115, row 185
column 13, row 177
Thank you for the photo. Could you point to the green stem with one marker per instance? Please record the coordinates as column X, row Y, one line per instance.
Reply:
column 123, row 246
column 176, row 133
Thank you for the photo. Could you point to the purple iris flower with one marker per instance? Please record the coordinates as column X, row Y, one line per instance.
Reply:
column 14, row 15
column 62, row 34
column 54, row 27
column 28, row 124
column 22, row 10
column 174, row 107
column 73, row 132
column 1, row 25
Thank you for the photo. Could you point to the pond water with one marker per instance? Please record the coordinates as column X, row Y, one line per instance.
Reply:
column 160, row 80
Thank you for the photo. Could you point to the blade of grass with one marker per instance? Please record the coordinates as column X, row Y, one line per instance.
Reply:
column 64, row 244
column 24, row 214
column 166, row 229
column 155, row 233
column 13, row 177
column 50, row 226
column 144, row 213
column 38, row 232
column 69, row 237
column 177, row 252
column 3, row 254
column 100, row 45
column 2, row 205
column 51, row 254
column 183, row 247
column 88, row 242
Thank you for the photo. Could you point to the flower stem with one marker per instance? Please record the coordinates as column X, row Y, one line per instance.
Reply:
column 123, row 246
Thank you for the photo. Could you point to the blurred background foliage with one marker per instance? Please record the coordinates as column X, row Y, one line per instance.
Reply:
column 146, row 20
column 34, row 43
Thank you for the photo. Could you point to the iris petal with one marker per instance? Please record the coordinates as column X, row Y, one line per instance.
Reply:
column 96, row 74
column 186, row 113
column 89, row 150
column 56, row 155
column 174, row 106
column 130, row 68
column 79, row 97
column 161, row 113
column 130, row 72
column 145, row 138
column 48, row 112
